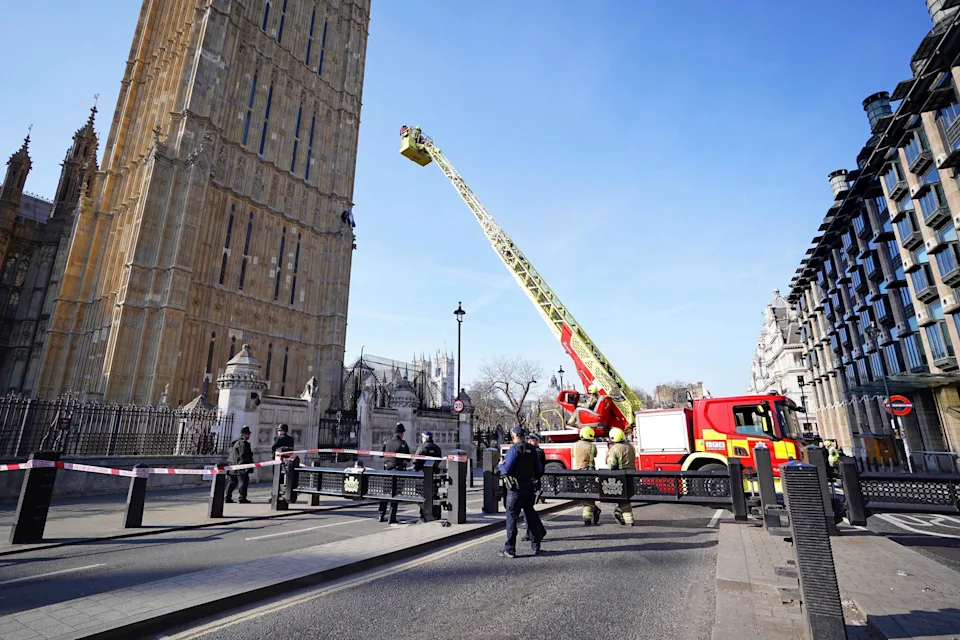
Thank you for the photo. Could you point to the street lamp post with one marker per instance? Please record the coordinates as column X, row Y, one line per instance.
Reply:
column 874, row 334
column 459, row 313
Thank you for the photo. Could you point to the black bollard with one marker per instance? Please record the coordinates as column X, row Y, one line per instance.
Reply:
column 218, row 490
column 737, row 497
column 817, row 456
column 457, row 493
column 427, row 510
column 136, row 496
column 491, row 481
column 768, row 490
column 277, row 503
column 290, row 479
column 819, row 590
column 35, row 495
column 852, row 493
column 470, row 471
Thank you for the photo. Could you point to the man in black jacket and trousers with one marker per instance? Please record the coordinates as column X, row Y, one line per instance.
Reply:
column 240, row 453
column 432, row 449
column 396, row 445
column 284, row 442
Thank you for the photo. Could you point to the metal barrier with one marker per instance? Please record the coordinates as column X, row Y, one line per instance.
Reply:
column 692, row 487
column 870, row 492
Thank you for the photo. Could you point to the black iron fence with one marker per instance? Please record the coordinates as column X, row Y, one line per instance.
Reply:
column 867, row 493
column 341, row 432
column 698, row 487
column 72, row 428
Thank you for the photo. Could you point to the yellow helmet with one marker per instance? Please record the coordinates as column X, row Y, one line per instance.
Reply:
column 617, row 434
column 593, row 389
column 587, row 433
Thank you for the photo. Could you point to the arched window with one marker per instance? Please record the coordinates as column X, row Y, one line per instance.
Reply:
column 276, row 284
column 233, row 347
column 313, row 126
column 209, row 368
column 253, row 94
column 226, row 246
column 266, row 120
column 283, row 17
column 313, row 21
column 269, row 361
column 283, row 380
column 296, row 266
column 296, row 141
column 323, row 46
column 266, row 16
column 13, row 304
column 246, row 251
column 10, row 268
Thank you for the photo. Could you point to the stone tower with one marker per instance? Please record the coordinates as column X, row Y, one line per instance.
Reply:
column 217, row 217
column 18, row 167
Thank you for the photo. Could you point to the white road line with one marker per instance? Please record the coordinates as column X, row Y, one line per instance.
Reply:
column 240, row 618
column 715, row 520
column 52, row 573
column 290, row 533
column 892, row 519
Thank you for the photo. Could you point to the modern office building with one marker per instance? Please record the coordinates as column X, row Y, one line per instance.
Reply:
column 878, row 293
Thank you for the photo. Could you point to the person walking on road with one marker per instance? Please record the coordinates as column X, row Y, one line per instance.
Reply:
column 534, row 441
column 427, row 448
column 622, row 457
column 283, row 442
column 585, row 458
column 395, row 445
column 519, row 469
column 240, row 453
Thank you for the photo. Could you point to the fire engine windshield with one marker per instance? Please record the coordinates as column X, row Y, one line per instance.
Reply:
column 787, row 417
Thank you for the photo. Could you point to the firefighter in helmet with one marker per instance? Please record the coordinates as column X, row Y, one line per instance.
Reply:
column 584, row 458
column 590, row 404
column 622, row 457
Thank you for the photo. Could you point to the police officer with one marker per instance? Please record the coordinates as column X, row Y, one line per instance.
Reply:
column 534, row 441
column 283, row 442
column 427, row 448
column 395, row 445
column 240, row 453
column 519, row 469
column 585, row 458
column 622, row 457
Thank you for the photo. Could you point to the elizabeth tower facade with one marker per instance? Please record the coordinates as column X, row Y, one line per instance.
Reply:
column 220, row 214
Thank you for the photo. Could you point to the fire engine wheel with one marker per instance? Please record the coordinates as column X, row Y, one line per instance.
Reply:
column 719, row 486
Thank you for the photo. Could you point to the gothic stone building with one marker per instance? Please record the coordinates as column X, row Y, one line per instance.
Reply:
column 220, row 214
column 34, row 234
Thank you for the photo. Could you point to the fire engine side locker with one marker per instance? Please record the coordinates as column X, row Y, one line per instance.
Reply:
column 662, row 438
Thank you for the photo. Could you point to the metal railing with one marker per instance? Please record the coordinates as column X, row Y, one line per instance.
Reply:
column 72, row 428
column 867, row 493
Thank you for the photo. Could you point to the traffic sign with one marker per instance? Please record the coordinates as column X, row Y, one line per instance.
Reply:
column 458, row 406
column 898, row 405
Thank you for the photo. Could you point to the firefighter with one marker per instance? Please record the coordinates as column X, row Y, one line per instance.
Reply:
column 593, row 399
column 622, row 457
column 584, row 458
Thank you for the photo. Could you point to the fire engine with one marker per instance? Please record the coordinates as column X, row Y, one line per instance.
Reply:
column 699, row 437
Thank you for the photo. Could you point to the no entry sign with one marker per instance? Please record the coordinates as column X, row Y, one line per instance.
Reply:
column 898, row 405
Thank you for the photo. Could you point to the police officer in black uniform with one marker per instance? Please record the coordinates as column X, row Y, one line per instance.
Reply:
column 520, row 469
column 395, row 445
column 283, row 441
column 427, row 448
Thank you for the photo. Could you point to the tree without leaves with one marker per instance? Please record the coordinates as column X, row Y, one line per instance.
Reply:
column 644, row 396
column 512, row 378
column 489, row 409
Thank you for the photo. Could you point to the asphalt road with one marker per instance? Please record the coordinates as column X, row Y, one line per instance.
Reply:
column 935, row 536
column 656, row 580
column 48, row 576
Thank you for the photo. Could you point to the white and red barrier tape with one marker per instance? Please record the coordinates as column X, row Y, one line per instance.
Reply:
column 386, row 454
column 143, row 472
column 132, row 473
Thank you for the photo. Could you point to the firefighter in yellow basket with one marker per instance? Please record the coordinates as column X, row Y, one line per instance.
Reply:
column 585, row 458
column 622, row 457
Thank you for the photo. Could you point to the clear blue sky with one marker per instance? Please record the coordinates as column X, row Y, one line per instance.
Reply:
column 663, row 164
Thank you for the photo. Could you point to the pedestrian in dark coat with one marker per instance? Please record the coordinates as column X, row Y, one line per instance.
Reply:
column 240, row 453
column 395, row 445
column 284, row 442
column 427, row 448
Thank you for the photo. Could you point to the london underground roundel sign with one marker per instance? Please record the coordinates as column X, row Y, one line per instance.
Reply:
column 458, row 406
column 898, row 405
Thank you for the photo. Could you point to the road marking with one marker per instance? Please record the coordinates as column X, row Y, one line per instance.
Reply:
column 895, row 521
column 48, row 575
column 240, row 618
column 715, row 520
column 290, row 533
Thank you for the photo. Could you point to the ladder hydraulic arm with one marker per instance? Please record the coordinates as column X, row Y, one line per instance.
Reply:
column 592, row 366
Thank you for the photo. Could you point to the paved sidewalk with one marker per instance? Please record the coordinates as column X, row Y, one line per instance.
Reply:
column 889, row 591
column 129, row 613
